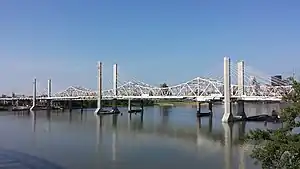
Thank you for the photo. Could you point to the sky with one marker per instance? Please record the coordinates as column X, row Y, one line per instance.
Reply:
column 153, row 41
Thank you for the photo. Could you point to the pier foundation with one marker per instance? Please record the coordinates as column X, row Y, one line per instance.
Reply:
column 115, row 109
column 241, row 109
column 49, row 105
column 142, row 105
column 70, row 106
column 129, row 105
column 81, row 106
column 210, row 107
column 139, row 110
column 198, row 107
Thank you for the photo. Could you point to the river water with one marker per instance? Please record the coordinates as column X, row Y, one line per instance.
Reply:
column 164, row 137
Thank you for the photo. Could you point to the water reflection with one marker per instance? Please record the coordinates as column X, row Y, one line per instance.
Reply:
column 99, row 131
column 33, row 119
column 167, row 130
column 228, row 144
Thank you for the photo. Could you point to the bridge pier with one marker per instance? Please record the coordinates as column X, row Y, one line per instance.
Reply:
column 49, row 104
column 49, row 101
column 129, row 105
column 33, row 107
column 210, row 106
column 198, row 107
column 241, row 88
column 81, row 106
column 140, row 110
column 99, row 96
column 142, row 105
column 227, row 116
column 64, row 105
column 200, row 114
column 241, row 109
column 115, row 109
column 70, row 106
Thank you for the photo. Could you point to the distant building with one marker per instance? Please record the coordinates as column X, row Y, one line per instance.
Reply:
column 278, row 81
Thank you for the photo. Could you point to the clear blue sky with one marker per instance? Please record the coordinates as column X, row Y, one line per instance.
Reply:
column 153, row 41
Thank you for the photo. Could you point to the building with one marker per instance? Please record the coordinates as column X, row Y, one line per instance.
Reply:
column 278, row 81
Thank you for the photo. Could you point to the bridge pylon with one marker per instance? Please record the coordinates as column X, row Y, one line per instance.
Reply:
column 227, row 116
column 115, row 89
column 241, row 88
column 99, row 96
column 33, row 107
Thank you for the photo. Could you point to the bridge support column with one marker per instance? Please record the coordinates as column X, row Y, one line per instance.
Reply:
column 210, row 106
column 115, row 89
column 210, row 109
column 241, row 88
column 49, row 105
column 49, row 101
column 142, row 105
column 99, row 97
column 81, row 106
column 33, row 107
column 64, row 105
column 227, row 116
column 198, row 107
column 241, row 109
column 129, row 105
column 70, row 105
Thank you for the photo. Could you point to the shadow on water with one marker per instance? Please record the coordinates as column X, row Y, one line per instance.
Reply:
column 179, row 126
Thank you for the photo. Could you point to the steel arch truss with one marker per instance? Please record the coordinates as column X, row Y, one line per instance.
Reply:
column 263, row 90
column 73, row 91
column 195, row 87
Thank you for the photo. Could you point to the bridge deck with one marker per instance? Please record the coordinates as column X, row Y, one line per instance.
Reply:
column 196, row 98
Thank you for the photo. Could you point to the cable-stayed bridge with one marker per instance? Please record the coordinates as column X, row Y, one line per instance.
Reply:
column 246, row 84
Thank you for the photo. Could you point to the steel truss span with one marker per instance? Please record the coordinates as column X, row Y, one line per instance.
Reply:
column 193, row 88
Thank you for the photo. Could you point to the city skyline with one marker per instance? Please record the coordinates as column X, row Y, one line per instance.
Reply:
column 170, row 42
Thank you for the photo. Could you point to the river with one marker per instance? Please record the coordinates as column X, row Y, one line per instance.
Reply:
column 164, row 137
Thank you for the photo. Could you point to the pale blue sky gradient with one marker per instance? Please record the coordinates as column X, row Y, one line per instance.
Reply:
column 153, row 41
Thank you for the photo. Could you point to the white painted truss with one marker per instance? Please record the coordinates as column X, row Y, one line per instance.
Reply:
column 193, row 88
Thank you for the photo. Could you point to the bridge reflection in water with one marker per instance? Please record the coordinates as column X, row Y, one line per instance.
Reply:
column 201, row 135
column 208, row 135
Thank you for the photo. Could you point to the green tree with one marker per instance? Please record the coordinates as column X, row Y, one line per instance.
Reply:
column 280, row 149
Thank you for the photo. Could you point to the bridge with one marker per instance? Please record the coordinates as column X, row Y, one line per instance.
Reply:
column 251, row 86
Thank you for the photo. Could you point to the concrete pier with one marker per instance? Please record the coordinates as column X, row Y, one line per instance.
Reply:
column 142, row 105
column 70, row 106
column 81, row 106
column 241, row 78
column 198, row 107
column 210, row 106
column 241, row 88
column 49, row 102
column 99, row 96
column 33, row 107
column 129, row 105
column 138, row 110
column 115, row 90
column 241, row 109
column 227, row 116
